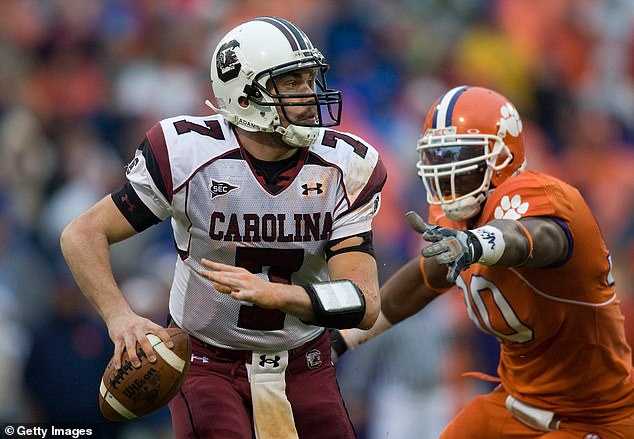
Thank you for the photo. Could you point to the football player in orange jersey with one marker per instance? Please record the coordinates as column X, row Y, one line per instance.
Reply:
column 528, row 256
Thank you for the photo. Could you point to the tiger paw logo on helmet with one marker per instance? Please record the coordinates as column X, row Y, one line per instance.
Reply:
column 511, row 208
column 510, row 120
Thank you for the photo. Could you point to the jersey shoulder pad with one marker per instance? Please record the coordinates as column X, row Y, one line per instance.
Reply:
column 182, row 144
column 529, row 194
column 363, row 172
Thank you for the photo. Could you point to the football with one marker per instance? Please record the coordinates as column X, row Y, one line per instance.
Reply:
column 129, row 393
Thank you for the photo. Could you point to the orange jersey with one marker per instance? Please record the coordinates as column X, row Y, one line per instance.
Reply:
column 563, row 345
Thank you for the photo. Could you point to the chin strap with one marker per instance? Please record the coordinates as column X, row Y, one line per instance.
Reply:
column 464, row 209
column 231, row 118
column 293, row 135
column 300, row 137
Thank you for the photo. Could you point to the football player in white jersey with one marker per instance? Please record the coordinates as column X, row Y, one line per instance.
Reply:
column 271, row 211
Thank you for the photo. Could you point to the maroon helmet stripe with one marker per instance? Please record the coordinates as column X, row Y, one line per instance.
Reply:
column 302, row 39
column 287, row 33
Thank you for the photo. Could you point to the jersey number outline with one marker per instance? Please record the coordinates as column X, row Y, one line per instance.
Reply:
column 514, row 330
column 278, row 265
column 330, row 140
column 212, row 128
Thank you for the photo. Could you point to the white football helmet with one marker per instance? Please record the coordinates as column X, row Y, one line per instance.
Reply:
column 472, row 142
column 249, row 58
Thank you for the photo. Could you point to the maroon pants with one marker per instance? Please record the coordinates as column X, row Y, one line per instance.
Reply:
column 215, row 399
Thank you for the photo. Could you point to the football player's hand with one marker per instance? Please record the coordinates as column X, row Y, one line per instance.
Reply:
column 241, row 284
column 126, row 330
column 456, row 248
column 338, row 345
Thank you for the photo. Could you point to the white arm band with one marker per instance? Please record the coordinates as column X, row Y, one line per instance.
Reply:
column 492, row 241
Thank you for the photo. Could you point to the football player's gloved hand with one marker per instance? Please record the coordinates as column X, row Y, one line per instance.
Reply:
column 338, row 345
column 456, row 248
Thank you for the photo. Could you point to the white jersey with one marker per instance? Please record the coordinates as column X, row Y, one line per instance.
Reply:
column 193, row 170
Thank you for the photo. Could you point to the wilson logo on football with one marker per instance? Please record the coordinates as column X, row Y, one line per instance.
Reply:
column 132, row 392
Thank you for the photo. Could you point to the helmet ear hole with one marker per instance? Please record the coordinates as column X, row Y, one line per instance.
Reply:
column 244, row 102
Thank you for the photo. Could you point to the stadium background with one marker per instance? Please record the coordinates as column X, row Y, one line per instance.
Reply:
column 81, row 81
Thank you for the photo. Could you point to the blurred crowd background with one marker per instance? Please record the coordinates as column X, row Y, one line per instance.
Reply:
column 81, row 81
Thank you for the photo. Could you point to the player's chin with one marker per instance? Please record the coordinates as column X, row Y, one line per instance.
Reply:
column 308, row 118
column 310, row 121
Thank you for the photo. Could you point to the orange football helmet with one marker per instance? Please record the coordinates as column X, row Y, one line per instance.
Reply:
column 472, row 142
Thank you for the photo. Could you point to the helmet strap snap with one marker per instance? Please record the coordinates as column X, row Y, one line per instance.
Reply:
column 298, row 137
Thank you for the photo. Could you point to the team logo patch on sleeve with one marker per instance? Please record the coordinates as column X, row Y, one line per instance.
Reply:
column 313, row 359
column 220, row 188
column 511, row 208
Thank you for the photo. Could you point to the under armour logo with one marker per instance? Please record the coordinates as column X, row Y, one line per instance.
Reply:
column 308, row 189
column 220, row 188
column 200, row 358
column 264, row 360
column 130, row 207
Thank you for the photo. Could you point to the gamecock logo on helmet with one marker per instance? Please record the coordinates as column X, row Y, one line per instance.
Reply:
column 227, row 62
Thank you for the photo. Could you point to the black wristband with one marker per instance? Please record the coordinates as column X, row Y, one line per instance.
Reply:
column 337, row 343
